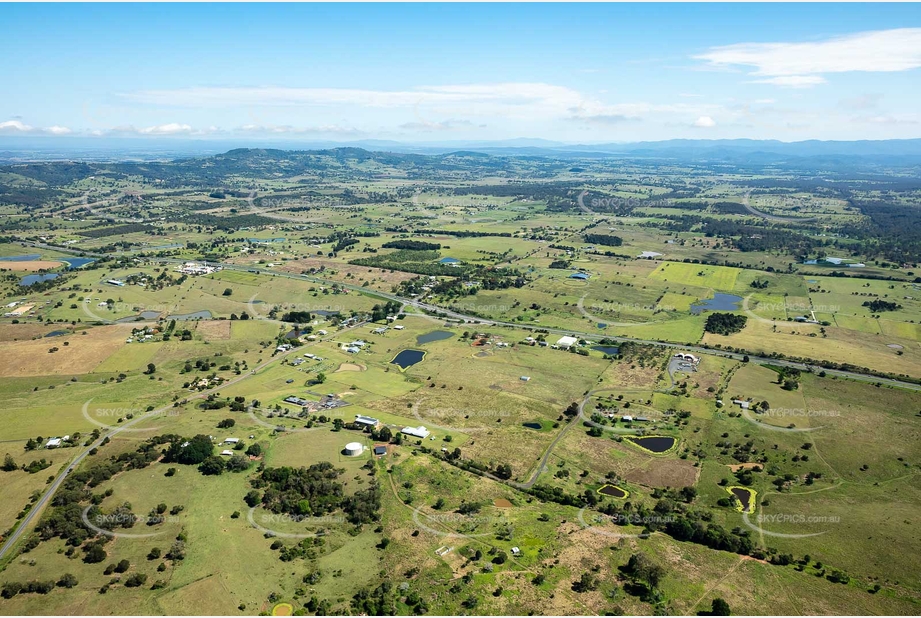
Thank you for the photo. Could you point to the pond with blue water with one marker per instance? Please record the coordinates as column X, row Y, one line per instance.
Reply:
column 435, row 335
column 719, row 302
column 407, row 358
column 33, row 279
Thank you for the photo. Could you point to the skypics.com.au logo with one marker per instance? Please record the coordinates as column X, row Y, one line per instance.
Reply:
column 280, row 524
column 610, row 205
column 111, row 417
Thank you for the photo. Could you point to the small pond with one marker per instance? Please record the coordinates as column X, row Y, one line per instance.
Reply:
column 20, row 258
column 744, row 496
column 533, row 425
column 607, row 349
column 408, row 358
column 30, row 279
column 435, row 335
column 78, row 262
column 611, row 490
column 325, row 312
column 58, row 333
column 144, row 315
column 719, row 302
column 656, row 444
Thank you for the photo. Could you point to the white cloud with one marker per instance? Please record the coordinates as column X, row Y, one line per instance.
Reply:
column 14, row 126
column 800, row 64
column 17, row 127
column 292, row 130
column 173, row 128
column 705, row 122
column 792, row 81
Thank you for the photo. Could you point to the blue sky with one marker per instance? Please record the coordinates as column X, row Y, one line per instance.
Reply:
column 436, row 73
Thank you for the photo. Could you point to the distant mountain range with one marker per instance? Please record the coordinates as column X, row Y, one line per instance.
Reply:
column 17, row 149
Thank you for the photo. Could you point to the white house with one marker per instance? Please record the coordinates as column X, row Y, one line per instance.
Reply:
column 419, row 432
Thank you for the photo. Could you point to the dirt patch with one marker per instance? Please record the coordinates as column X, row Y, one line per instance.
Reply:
column 502, row 503
column 657, row 472
column 24, row 332
column 744, row 466
column 82, row 354
column 213, row 330
column 30, row 266
column 350, row 367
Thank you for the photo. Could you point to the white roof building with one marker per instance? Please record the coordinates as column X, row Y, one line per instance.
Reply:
column 53, row 443
column 567, row 341
column 419, row 432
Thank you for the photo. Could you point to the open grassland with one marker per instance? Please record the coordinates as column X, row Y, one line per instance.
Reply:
column 840, row 345
column 714, row 277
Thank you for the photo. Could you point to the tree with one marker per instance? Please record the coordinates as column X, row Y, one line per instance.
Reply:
column 254, row 450
column 9, row 465
column 585, row 583
column 720, row 608
column 68, row 580
column 642, row 569
column 238, row 463
column 227, row 292
column 94, row 554
column 227, row 423
column 122, row 566
column 151, row 369
column 212, row 465
column 191, row 452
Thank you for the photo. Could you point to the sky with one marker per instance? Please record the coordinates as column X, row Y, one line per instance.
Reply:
column 433, row 73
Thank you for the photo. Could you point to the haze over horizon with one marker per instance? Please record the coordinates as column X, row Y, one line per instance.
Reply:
column 414, row 74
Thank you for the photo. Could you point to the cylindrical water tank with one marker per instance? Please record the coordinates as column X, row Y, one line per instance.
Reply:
column 353, row 449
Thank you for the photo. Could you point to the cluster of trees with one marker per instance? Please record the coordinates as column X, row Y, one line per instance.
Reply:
column 313, row 491
column 11, row 589
column 380, row 312
column 879, row 305
column 413, row 245
column 725, row 323
column 606, row 240
column 298, row 317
